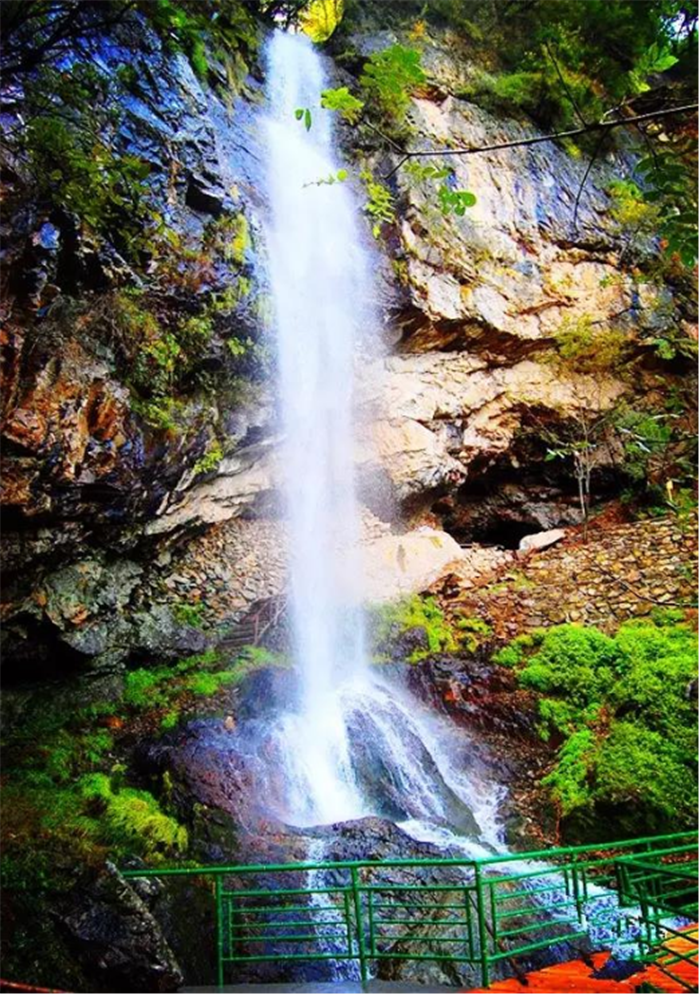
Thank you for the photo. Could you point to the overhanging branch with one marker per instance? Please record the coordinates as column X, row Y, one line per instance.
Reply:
column 596, row 127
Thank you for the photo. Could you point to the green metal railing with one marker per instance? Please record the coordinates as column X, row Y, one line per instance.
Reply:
column 663, row 893
column 477, row 912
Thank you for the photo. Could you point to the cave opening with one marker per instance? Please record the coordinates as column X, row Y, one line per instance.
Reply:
column 505, row 534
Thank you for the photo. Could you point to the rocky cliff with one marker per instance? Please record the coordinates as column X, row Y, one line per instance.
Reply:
column 102, row 478
column 140, row 480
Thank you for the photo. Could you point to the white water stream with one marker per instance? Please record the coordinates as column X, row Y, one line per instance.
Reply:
column 352, row 746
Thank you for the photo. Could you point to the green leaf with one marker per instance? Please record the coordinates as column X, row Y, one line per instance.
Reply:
column 344, row 103
column 307, row 119
column 299, row 113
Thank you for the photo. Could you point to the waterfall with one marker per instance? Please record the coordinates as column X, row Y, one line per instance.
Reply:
column 351, row 745
column 319, row 282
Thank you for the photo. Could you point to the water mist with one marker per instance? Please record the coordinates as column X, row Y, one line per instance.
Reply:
column 352, row 745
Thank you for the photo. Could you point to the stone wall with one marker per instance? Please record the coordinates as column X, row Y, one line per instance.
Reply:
column 620, row 572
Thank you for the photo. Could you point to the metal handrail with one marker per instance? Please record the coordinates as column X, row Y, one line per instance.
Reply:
column 503, row 858
column 481, row 918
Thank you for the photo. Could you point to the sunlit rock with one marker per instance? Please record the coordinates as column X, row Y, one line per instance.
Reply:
column 397, row 565
column 541, row 540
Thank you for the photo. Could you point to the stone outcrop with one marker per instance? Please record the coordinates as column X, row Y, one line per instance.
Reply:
column 442, row 412
column 525, row 258
column 79, row 452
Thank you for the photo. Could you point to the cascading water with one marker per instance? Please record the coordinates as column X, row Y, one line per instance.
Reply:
column 318, row 280
column 352, row 746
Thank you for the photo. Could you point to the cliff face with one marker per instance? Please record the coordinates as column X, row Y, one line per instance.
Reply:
column 141, row 491
column 92, row 452
column 101, row 489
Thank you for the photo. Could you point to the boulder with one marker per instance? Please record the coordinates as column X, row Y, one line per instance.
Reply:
column 541, row 540
column 399, row 565
column 115, row 939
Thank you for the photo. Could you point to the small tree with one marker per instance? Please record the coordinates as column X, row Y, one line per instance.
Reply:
column 586, row 444
column 582, row 347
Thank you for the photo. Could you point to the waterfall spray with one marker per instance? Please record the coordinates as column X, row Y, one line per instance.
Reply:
column 319, row 282
column 352, row 745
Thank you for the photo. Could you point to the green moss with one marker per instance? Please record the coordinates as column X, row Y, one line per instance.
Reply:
column 205, row 684
column 167, row 688
column 188, row 613
column 61, row 756
column 132, row 819
column 578, row 663
column 393, row 620
column 170, row 719
column 142, row 690
column 569, row 779
column 509, row 656
column 473, row 632
column 514, row 653
column 67, row 800
column 64, row 808
column 206, row 464
column 621, row 705
column 239, row 241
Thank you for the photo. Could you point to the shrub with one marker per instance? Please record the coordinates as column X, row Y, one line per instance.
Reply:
column 574, row 662
column 583, row 347
column 189, row 614
column 569, row 779
column 392, row 621
column 388, row 78
column 205, row 464
column 628, row 723
column 636, row 766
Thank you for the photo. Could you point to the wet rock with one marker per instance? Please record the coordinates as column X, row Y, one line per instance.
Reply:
column 116, row 940
column 83, row 590
column 241, row 481
column 205, row 196
column 157, row 632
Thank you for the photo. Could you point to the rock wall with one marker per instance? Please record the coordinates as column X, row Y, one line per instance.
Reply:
column 471, row 304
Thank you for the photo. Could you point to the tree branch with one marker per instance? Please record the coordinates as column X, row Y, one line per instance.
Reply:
column 598, row 126
column 566, row 86
column 589, row 167
column 385, row 138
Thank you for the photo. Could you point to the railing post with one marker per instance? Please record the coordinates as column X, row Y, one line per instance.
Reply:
column 218, row 887
column 370, row 920
column 348, row 922
column 470, row 927
column 483, row 932
column 358, row 923
column 577, row 892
